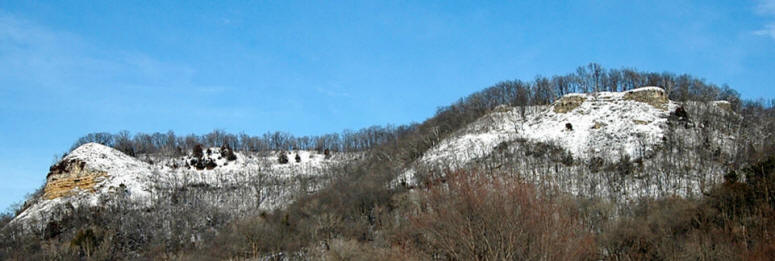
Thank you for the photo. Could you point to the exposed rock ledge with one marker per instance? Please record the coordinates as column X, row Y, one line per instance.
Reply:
column 70, row 176
column 568, row 103
column 654, row 96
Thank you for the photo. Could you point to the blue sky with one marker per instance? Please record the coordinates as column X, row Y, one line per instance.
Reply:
column 70, row 68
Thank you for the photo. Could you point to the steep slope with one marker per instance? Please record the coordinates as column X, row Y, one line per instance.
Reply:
column 615, row 144
column 94, row 175
column 606, row 124
column 87, row 173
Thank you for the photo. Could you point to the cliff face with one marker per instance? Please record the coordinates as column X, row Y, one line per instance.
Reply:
column 70, row 176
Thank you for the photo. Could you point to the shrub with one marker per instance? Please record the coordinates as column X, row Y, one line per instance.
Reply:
column 198, row 164
column 596, row 164
column 210, row 164
column 298, row 158
column 733, row 221
column 197, row 152
column 473, row 217
column 656, row 230
column 681, row 114
column 86, row 241
column 282, row 158
column 353, row 250
column 228, row 153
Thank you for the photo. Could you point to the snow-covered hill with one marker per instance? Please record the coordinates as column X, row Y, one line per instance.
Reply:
column 604, row 124
column 582, row 143
column 92, row 174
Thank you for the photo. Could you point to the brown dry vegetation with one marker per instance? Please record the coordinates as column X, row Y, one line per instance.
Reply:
column 475, row 217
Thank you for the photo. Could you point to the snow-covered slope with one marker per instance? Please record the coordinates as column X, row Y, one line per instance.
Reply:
column 593, row 141
column 605, row 124
column 122, row 171
column 92, row 174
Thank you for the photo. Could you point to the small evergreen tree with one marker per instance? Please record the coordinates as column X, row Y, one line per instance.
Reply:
column 198, row 153
column 283, row 158
column 228, row 153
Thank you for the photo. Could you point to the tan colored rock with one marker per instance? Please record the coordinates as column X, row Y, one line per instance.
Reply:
column 724, row 105
column 502, row 108
column 650, row 95
column 68, row 177
column 598, row 125
column 640, row 122
column 568, row 103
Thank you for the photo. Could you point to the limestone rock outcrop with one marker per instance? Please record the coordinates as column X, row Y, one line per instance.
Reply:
column 653, row 96
column 70, row 176
column 568, row 103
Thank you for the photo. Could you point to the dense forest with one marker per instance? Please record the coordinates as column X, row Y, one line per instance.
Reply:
column 359, row 215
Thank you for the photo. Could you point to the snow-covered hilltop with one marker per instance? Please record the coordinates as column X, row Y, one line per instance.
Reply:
column 575, row 141
column 93, row 174
column 605, row 124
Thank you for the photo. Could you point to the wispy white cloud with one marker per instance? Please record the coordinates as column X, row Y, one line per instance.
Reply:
column 40, row 57
column 766, row 7
column 211, row 89
column 44, row 58
column 334, row 90
column 768, row 31
column 51, row 70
